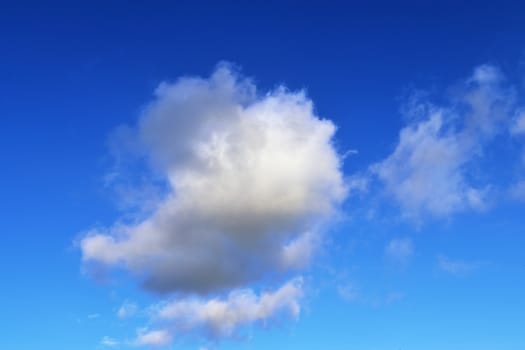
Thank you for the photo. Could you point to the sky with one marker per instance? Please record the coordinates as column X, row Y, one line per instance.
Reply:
column 266, row 175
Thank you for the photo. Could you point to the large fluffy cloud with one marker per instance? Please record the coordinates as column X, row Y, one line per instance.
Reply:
column 251, row 181
column 428, row 172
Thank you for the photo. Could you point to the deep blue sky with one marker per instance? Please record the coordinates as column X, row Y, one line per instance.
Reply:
column 71, row 71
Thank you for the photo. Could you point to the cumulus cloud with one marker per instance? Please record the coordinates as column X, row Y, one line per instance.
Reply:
column 251, row 181
column 223, row 317
column 400, row 250
column 428, row 171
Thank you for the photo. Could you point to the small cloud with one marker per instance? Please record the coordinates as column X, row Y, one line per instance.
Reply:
column 518, row 127
column 109, row 342
column 348, row 292
column 223, row 317
column 357, row 184
column 400, row 250
column 456, row 267
column 385, row 300
column 350, row 152
column 93, row 316
column 392, row 297
column 152, row 338
column 428, row 174
column 517, row 191
column 127, row 310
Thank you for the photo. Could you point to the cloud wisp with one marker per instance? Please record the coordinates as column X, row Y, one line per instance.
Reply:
column 400, row 250
column 456, row 267
column 152, row 338
column 429, row 171
column 109, row 342
column 127, row 310
column 223, row 317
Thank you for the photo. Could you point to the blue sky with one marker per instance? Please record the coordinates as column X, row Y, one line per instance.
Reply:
column 273, row 175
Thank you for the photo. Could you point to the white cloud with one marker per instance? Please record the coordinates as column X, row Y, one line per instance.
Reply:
column 428, row 172
column 456, row 267
column 350, row 152
column 252, row 179
column 109, row 342
column 218, row 317
column 127, row 309
column 357, row 184
column 518, row 127
column 400, row 250
column 517, row 191
column 298, row 253
column 424, row 174
column 348, row 292
column 154, row 338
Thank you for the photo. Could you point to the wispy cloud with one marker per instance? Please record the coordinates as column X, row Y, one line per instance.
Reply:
column 427, row 174
column 518, row 126
column 127, row 309
column 348, row 292
column 152, row 338
column 517, row 190
column 400, row 250
column 351, row 293
column 456, row 267
column 219, row 318
column 109, row 342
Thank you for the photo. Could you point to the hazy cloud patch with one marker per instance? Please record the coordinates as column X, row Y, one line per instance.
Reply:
column 109, row 342
column 455, row 266
column 127, row 310
column 428, row 173
column 400, row 250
